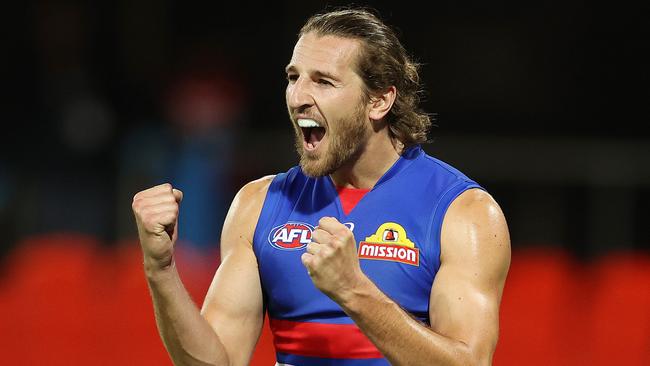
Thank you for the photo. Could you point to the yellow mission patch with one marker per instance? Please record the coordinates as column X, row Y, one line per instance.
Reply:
column 390, row 243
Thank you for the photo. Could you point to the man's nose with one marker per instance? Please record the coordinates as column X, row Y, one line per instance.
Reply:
column 299, row 95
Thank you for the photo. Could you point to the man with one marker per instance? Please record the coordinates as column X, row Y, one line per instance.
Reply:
column 369, row 253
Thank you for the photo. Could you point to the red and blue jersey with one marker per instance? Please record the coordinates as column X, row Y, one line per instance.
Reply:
column 397, row 227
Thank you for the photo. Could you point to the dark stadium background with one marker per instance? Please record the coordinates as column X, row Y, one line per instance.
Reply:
column 545, row 103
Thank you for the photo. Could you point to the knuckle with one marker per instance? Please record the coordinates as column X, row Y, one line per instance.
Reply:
column 142, row 193
column 148, row 222
column 171, row 213
column 343, row 232
column 169, row 217
column 145, row 212
column 315, row 235
column 314, row 262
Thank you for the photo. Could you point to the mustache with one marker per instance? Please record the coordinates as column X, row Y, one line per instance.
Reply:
column 302, row 116
column 295, row 116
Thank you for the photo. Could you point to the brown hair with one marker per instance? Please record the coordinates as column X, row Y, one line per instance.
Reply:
column 382, row 63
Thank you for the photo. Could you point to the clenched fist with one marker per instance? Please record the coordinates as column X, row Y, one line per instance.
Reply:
column 331, row 259
column 156, row 214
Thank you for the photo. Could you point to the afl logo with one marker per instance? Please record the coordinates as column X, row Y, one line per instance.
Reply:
column 291, row 236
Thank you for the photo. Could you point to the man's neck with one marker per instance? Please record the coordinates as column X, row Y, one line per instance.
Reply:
column 371, row 164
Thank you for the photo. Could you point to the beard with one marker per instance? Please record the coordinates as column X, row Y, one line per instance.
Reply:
column 344, row 143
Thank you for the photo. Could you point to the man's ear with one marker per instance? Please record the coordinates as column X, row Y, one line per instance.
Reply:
column 380, row 104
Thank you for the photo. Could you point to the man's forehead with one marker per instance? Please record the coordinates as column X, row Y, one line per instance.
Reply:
column 324, row 52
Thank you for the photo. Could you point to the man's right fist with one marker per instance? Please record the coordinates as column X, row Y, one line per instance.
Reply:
column 156, row 214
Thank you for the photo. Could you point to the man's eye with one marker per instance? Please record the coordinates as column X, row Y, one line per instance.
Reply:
column 324, row 82
column 292, row 77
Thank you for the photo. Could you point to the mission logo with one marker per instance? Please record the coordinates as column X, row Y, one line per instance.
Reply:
column 291, row 236
column 390, row 243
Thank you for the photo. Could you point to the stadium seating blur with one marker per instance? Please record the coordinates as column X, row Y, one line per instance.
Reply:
column 68, row 300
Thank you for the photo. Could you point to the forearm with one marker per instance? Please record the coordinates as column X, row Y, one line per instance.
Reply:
column 188, row 337
column 400, row 338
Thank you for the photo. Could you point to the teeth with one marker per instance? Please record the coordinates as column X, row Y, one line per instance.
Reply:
column 307, row 123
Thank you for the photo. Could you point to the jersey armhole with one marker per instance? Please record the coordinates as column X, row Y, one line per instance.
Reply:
column 440, row 209
column 269, row 207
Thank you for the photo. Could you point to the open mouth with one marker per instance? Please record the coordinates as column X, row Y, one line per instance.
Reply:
column 312, row 133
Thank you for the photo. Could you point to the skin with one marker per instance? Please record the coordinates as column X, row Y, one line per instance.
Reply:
column 465, row 296
column 466, row 293
column 322, row 85
column 226, row 329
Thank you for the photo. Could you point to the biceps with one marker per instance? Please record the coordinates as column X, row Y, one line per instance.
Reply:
column 461, row 310
column 233, row 305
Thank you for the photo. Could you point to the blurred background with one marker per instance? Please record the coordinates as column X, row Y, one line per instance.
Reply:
column 543, row 102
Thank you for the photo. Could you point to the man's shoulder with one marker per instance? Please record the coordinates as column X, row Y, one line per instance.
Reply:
column 260, row 182
column 256, row 189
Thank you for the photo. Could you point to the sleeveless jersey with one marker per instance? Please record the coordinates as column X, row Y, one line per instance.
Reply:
column 397, row 229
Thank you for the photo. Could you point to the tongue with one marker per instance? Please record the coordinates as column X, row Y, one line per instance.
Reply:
column 316, row 135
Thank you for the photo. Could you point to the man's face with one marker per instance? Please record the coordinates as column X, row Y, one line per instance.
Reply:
column 326, row 103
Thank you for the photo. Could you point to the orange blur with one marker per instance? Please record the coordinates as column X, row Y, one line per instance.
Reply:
column 67, row 300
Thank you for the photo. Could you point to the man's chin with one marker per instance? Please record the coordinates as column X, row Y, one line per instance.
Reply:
column 313, row 168
column 318, row 162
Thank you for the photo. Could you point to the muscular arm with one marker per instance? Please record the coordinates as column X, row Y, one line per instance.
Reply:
column 235, row 295
column 225, row 331
column 465, row 297
column 466, row 294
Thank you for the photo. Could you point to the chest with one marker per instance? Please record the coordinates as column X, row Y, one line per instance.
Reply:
column 395, row 246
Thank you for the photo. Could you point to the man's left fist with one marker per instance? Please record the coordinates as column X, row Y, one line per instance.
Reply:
column 331, row 259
